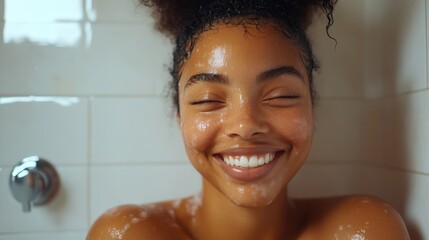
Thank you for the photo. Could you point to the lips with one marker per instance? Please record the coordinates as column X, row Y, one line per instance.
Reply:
column 245, row 165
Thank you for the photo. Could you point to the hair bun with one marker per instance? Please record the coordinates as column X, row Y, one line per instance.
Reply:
column 171, row 15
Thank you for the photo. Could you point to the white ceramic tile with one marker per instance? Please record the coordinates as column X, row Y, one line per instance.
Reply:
column 34, row 61
column 135, row 130
column 374, row 121
column 338, row 131
column 341, row 72
column 71, row 58
column 119, row 11
column 324, row 180
column 387, row 184
column 125, row 59
column 67, row 210
column 45, row 236
column 57, row 133
column 427, row 42
column 122, row 184
column 43, row 11
column 417, row 210
column 395, row 47
column 407, row 132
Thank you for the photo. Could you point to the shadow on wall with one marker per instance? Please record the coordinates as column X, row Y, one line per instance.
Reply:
column 389, row 38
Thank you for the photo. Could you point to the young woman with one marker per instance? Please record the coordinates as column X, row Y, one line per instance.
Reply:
column 243, row 89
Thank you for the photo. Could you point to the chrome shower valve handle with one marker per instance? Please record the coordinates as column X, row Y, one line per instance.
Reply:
column 33, row 181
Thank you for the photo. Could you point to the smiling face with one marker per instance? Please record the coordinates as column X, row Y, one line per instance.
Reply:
column 246, row 111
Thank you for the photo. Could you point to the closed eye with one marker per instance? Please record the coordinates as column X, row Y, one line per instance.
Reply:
column 204, row 101
column 283, row 97
column 282, row 100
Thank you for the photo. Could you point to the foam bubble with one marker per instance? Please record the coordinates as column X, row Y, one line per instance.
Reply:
column 193, row 204
column 358, row 237
column 144, row 214
column 119, row 233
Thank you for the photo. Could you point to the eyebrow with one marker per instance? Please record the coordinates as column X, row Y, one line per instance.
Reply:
column 219, row 78
column 276, row 72
column 207, row 77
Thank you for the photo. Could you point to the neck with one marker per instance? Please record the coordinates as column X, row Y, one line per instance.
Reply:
column 219, row 218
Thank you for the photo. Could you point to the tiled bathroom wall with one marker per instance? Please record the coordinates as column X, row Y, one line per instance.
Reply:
column 82, row 84
column 397, row 98
column 372, row 127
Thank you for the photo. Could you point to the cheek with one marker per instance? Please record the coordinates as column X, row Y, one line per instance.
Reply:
column 198, row 133
column 298, row 129
column 302, row 128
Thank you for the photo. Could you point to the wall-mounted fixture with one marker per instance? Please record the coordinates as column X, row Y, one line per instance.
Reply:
column 33, row 181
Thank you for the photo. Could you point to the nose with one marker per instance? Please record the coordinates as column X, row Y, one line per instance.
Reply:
column 245, row 121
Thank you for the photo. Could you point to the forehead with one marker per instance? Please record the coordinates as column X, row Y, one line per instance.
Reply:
column 258, row 47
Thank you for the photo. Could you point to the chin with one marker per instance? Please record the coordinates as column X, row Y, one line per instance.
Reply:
column 254, row 195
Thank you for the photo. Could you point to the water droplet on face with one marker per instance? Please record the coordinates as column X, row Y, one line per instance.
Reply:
column 202, row 126
column 218, row 57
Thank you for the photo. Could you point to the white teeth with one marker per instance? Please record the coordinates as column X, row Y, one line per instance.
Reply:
column 261, row 161
column 267, row 159
column 253, row 161
column 236, row 162
column 246, row 161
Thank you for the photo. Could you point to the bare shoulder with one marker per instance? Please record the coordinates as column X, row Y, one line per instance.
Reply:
column 154, row 221
column 355, row 217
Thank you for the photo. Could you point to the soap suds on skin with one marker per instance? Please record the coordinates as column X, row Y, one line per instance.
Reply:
column 192, row 206
column 119, row 232
column 144, row 214
column 202, row 126
column 358, row 237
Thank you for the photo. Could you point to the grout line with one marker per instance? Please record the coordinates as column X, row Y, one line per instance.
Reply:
column 427, row 45
column 7, row 165
column 88, row 161
column 404, row 94
column 163, row 163
column 87, row 95
column 392, row 168
column 365, row 164
column 331, row 98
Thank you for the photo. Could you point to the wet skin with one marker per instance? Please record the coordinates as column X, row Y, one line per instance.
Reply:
column 246, row 95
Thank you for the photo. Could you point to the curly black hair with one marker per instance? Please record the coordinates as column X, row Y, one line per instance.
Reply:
column 184, row 20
